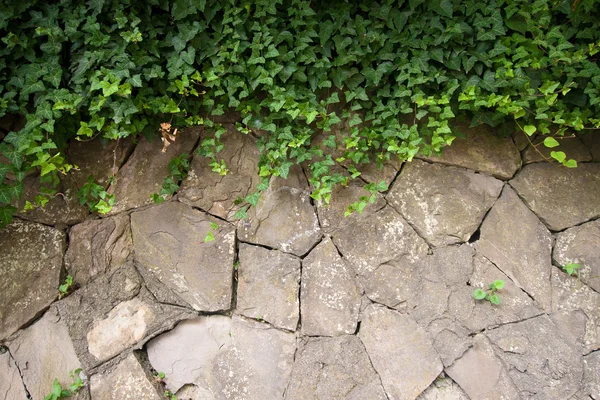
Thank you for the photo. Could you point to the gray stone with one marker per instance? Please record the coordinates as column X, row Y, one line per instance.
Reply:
column 444, row 204
column 580, row 245
column 443, row 389
column 44, row 352
column 520, row 139
column 169, row 242
column 330, row 298
column 144, row 172
column 520, row 245
column 400, row 351
column 481, row 374
column 560, row 197
column 481, row 150
column 541, row 362
column 268, row 284
column 32, row 256
column 284, row 217
column 576, row 310
column 373, row 240
column 592, row 141
column 333, row 369
column 591, row 376
column 11, row 385
column 193, row 392
column 97, row 247
column 128, row 380
column 570, row 145
column 215, row 193
column 114, row 314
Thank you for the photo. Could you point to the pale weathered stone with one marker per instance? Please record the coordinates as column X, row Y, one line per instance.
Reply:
column 443, row 389
column 591, row 375
column 268, row 284
column 144, row 172
column 481, row 374
column 284, row 217
column 187, row 353
column 520, row 245
column 97, row 247
column 581, row 245
column 481, row 150
column 329, row 297
column 128, row 380
column 541, row 362
column 570, row 145
column 215, row 193
column 11, row 385
column 400, row 351
column 32, row 256
column 376, row 239
column 576, row 310
column 44, row 352
column 444, row 204
column 560, row 197
column 169, row 242
column 333, row 369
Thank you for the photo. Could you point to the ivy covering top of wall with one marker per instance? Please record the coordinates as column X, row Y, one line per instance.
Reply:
column 77, row 69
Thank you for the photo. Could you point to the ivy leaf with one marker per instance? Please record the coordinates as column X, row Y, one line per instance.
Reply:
column 479, row 294
column 442, row 7
column 4, row 169
column 558, row 156
column 550, row 142
column 15, row 157
column 570, row 163
column 209, row 237
column 6, row 214
column 529, row 129
column 495, row 299
column 499, row 284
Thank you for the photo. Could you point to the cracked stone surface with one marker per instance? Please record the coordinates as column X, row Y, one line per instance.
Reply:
column 560, row 197
column 401, row 352
column 32, row 256
column 520, row 245
column 593, row 144
column 481, row 150
column 144, row 172
column 128, row 380
column 284, row 217
column 443, row 389
column 444, row 204
column 215, row 193
column 580, row 245
column 333, row 369
column 268, row 284
column 44, row 352
column 572, row 146
column 97, row 247
column 12, row 385
column 591, row 375
column 330, row 298
column 169, row 242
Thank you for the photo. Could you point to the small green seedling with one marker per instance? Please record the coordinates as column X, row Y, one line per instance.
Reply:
column 59, row 393
column 169, row 395
column 572, row 269
column 210, row 235
column 64, row 289
column 490, row 294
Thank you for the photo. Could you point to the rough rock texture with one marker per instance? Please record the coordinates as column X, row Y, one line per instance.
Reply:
column 576, row 310
column 592, row 141
column 580, row 245
column 482, row 150
column 333, row 369
column 444, row 204
column 169, row 242
column 113, row 314
column 540, row 361
column 520, row 245
column 443, row 389
column 570, row 145
column 128, row 380
column 268, row 284
column 144, row 172
column 481, row 374
column 329, row 297
column 97, row 247
column 32, row 256
column 284, row 217
column 401, row 352
column 560, row 197
column 44, row 352
column 591, row 376
column 214, row 193
column 11, row 385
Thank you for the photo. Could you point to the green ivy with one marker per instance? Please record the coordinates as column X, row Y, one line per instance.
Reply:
column 394, row 72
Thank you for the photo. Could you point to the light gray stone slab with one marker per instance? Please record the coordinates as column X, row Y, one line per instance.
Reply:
column 443, row 389
column 333, row 369
column 401, row 352
column 11, row 385
column 30, row 266
column 560, row 197
column 169, row 241
column 591, row 375
column 520, row 245
column 330, row 297
column 444, row 204
column 268, row 285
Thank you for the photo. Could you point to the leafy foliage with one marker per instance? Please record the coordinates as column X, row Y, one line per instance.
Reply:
column 96, row 197
column 490, row 294
column 389, row 74
column 59, row 393
column 64, row 289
